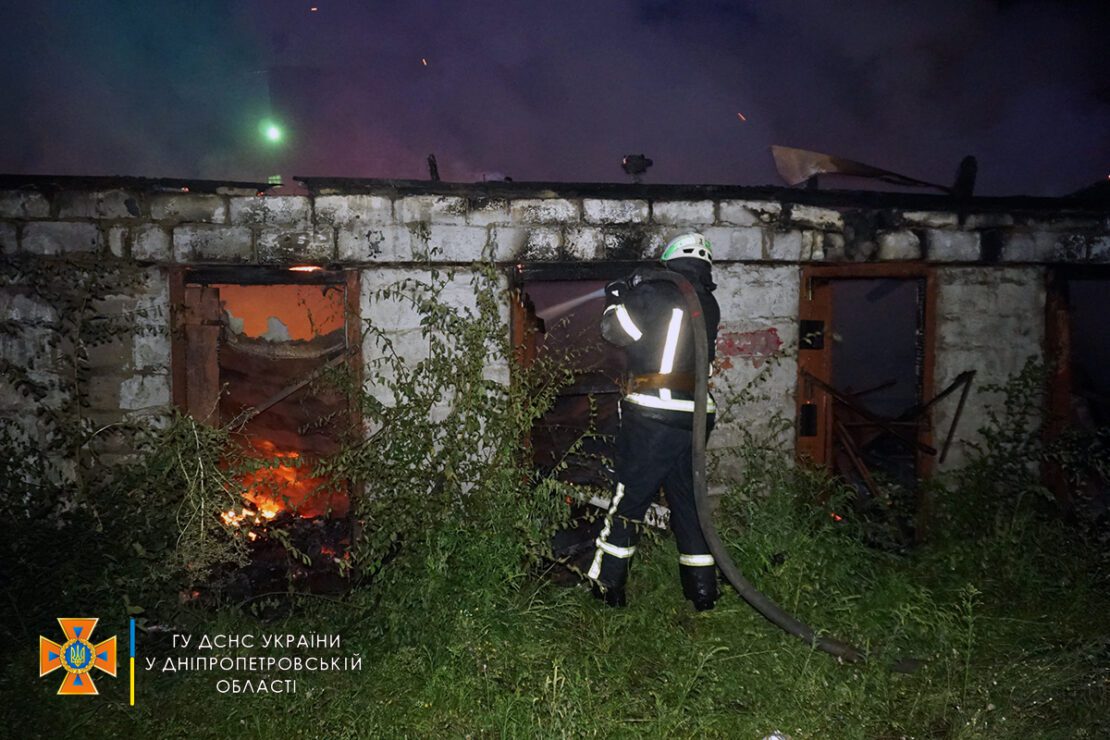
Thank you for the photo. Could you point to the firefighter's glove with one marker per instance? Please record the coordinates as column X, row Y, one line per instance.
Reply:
column 615, row 292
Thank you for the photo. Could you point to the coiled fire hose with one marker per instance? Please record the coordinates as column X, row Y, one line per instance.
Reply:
column 758, row 601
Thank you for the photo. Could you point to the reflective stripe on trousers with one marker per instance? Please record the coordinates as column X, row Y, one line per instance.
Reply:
column 696, row 560
column 603, row 546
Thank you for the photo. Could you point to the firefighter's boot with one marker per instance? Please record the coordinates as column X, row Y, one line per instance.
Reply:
column 699, row 585
column 612, row 595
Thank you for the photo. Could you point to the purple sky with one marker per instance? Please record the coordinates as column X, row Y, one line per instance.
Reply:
column 557, row 90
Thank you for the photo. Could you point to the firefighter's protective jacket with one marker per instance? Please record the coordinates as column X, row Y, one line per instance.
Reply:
column 649, row 318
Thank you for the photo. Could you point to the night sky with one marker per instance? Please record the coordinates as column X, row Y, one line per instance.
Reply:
column 557, row 90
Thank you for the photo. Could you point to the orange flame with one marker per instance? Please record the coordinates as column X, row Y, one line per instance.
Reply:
column 277, row 486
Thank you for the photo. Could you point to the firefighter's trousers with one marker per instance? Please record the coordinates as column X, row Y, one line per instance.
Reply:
column 650, row 454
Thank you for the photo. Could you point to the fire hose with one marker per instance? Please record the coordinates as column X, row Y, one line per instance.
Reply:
column 757, row 600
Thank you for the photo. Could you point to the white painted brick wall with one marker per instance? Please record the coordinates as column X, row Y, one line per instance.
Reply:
column 1038, row 246
column 543, row 244
column 362, row 242
column 23, row 204
column 151, row 350
column 544, row 211
column 899, row 245
column 487, row 211
column 108, row 204
column 990, row 317
column 736, row 244
column 749, row 212
column 758, row 292
column 282, row 246
column 25, row 309
column 951, row 246
column 144, row 392
column 9, row 239
column 823, row 218
column 521, row 243
column 932, row 219
column 211, row 242
column 682, row 212
column 989, row 320
column 437, row 209
column 584, row 242
column 349, row 210
column 397, row 317
column 176, row 207
column 988, row 220
column 45, row 237
column 1100, row 249
column 608, row 211
column 117, row 240
column 32, row 348
column 150, row 243
column 291, row 211
column 449, row 243
column 790, row 246
column 755, row 396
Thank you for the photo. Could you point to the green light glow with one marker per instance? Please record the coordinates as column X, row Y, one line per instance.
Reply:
column 271, row 132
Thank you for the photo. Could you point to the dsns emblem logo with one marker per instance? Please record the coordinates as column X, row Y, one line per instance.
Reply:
column 78, row 656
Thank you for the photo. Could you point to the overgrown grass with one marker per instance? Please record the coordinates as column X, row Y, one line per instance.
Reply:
column 467, row 647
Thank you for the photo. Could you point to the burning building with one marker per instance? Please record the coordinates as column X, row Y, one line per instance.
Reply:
column 871, row 320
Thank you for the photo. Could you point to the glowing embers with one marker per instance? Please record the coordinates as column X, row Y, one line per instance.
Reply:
column 281, row 492
column 233, row 518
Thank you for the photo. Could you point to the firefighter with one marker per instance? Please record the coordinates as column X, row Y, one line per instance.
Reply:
column 648, row 318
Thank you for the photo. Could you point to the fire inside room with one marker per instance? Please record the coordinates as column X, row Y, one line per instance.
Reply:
column 254, row 351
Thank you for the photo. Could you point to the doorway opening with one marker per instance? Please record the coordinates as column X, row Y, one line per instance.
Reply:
column 865, row 372
column 556, row 318
column 1078, row 423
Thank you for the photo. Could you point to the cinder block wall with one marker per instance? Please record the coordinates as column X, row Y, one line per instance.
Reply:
column 991, row 256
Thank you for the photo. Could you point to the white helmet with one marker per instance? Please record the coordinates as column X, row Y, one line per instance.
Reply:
column 688, row 245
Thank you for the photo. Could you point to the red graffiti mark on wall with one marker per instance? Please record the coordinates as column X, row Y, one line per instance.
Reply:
column 756, row 346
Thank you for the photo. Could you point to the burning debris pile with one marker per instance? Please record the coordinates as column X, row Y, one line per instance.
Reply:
column 297, row 531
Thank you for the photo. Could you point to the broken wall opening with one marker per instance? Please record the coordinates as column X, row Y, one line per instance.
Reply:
column 251, row 348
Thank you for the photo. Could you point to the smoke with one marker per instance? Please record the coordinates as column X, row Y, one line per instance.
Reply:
column 556, row 91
